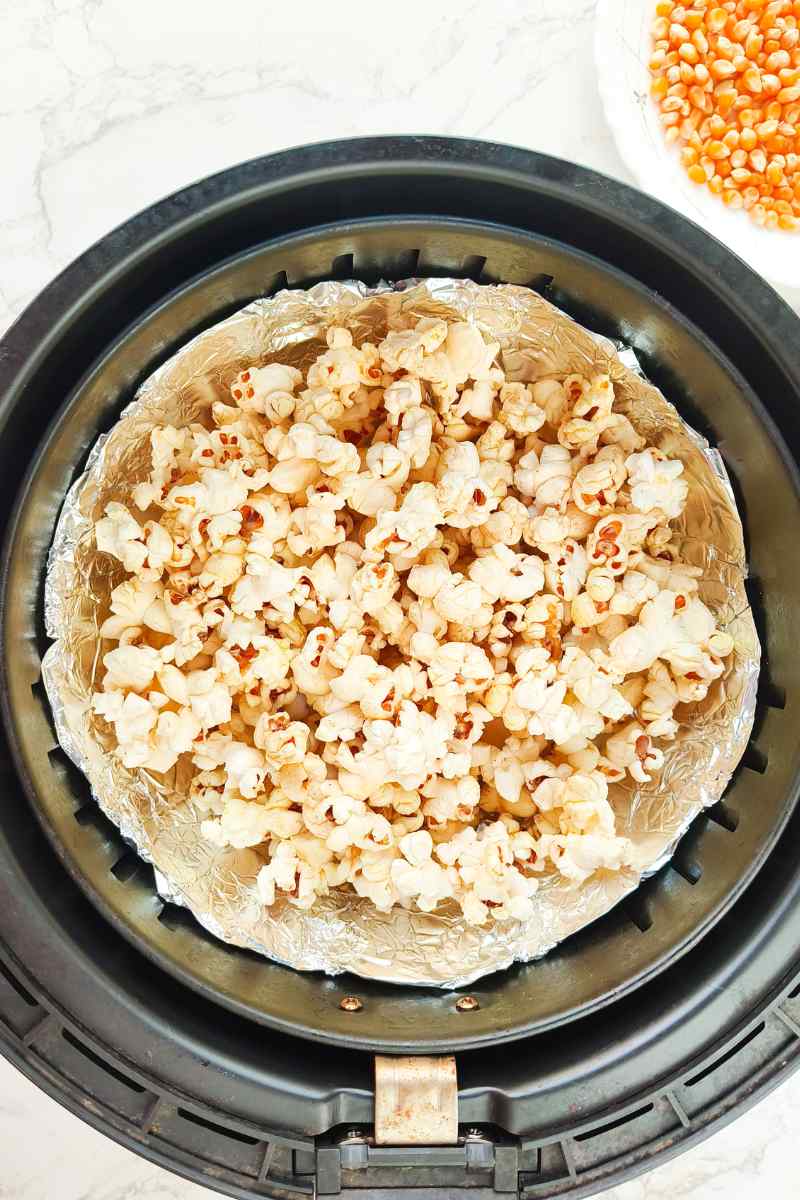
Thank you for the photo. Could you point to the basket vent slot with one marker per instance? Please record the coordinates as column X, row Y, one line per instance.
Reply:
column 40, row 692
column 688, row 869
column 687, row 859
column 755, row 759
column 795, row 992
column 407, row 262
column 92, row 816
column 63, row 765
column 721, row 814
column 127, row 866
column 130, row 868
column 173, row 916
column 16, row 986
column 279, row 281
column 343, row 267
column 101, row 1063
column 176, row 918
column 540, row 283
column 637, row 909
column 734, row 1050
column 770, row 694
column 473, row 266
column 223, row 1130
column 601, row 1129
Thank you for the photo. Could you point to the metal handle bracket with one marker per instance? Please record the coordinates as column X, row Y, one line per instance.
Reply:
column 416, row 1101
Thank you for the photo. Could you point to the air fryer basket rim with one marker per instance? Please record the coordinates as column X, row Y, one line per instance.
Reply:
column 358, row 148
column 454, row 1032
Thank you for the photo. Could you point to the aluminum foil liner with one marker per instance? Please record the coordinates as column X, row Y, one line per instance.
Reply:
column 343, row 932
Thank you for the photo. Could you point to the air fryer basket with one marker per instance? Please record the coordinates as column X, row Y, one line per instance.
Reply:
column 719, row 343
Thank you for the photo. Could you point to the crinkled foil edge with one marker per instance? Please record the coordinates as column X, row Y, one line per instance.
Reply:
column 343, row 932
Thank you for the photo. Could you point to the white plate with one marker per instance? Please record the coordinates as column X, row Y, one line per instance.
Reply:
column 622, row 50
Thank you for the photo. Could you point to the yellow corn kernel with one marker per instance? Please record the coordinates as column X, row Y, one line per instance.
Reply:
column 751, row 80
column 673, row 104
column 753, row 45
column 699, row 99
column 777, row 60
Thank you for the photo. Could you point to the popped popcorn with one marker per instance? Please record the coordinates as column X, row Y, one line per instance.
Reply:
column 406, row 620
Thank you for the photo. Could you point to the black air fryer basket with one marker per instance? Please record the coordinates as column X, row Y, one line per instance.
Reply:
column 627, row 1043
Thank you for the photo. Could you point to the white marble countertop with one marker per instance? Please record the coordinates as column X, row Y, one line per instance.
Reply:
column 106, row 106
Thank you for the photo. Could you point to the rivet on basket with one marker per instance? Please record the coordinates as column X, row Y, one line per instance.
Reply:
column 467, row 1004
column 351, row 1004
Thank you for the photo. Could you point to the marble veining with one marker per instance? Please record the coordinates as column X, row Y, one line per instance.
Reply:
column 106, row 106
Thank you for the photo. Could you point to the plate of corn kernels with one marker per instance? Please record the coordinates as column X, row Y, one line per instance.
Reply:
column 703, row 99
